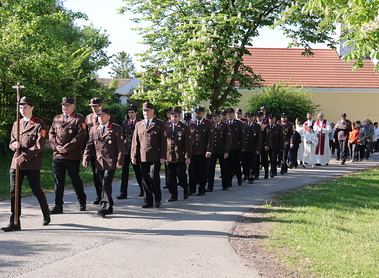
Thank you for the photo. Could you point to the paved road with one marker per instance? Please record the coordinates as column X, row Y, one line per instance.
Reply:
column 188, row 238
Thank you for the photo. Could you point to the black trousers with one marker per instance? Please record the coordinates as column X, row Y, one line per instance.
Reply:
column 125, row 176
column 343, row 149
column 224, row 170
column 35, row 184
column 292, row 155
column 60, row 166
column 273, row 155
column 96, row 179
column 176, row 170
column 250, row 165
column 263, row 161
column 106, row 178
column 234, row 165
column 283, row 158
column 151, row 181
column 198, row 171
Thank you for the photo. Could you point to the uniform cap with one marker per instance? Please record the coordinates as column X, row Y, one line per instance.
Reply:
column 343, row 115
column 175, row 110
column 187, row 116
column 26, row 100
column 250, row 114
column 133, row 107
column 262, row 108
column 148, row 105
column 223, row 112
column 283, row 115
column 239, row 110
column 169, row 109
column 230, row 110
column 271, row 116
column 103, row 110
column 199, row 109
column 68, row 100
column 216, row 113
column 259, row 113
column 209, row 116
column 95, row 101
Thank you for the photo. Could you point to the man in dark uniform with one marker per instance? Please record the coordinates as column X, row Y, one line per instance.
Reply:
column 92, row 119
column 263, row 155
column 106, row 141
column 149, row 145
column 187, row 118
column 66, row 136
column 288, row 133
column 238, row 145
column 32, row 141
column 202, row 147
column 239, row 115
column 275, row 143
column 179, row 149
column 128, row 127
column 250, row 157
column 221, row 149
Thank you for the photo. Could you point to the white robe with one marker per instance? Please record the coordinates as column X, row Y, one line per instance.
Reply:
column 310, row 143
column 323, row 159
column 300, row 152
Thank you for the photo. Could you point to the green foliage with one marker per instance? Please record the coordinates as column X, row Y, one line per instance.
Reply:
column 119, row 111
column 122, row 66
column 283, row 98
column 4, row 143
column 196, row 48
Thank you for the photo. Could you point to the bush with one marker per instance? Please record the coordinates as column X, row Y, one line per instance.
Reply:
column 4, row 143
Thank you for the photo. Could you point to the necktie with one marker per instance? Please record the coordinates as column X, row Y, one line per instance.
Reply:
column 198, row 123
column 103, row 131
column 272, row 126
column 216, row 125
column 173, row 127
column 25, row 123
column 147, row 123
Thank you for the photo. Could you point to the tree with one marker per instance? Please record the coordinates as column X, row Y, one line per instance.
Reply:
column 359, row 20
column 196, row 48
column 122, row 66
column 283, row 98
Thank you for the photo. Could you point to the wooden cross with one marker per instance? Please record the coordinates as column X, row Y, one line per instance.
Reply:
column 18, row 87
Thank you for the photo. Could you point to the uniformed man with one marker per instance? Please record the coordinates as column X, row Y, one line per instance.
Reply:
column 263, row 155
column 179, row 149
column 128, row 127
column 202, row 147
column 32, row 136
column 209, row 116
column 238, row 115
column 106, row 142
column 66, row 136
column 250, row 157
column 149, row 145
column 221, row 149
column 238, row 145
column 96, row 104
column 288, row 133
column 187, row 118
column 275, row 143
column 223, row 115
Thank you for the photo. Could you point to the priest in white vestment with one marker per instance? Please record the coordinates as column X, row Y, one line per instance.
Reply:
column 322, row 129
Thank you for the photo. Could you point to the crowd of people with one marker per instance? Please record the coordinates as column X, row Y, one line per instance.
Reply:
column 243, row 146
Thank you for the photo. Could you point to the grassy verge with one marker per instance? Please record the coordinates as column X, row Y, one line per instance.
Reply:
column 331, row 230
column 47, row 178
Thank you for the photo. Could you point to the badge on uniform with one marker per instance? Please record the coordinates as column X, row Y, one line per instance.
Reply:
column 43, row 133
column 109, row 142
column 70, row 131
column 179, row 138
column 84, row 126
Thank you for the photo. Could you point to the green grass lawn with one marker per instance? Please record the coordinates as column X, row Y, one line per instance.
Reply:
column 331, row 230
column 47, row 178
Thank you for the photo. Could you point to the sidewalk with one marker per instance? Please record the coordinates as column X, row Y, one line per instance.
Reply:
column 188, row 238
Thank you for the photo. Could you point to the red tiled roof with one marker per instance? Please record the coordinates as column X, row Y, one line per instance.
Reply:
column 324, row 69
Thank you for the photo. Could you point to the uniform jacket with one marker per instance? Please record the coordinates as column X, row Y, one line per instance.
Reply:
column 108, row 148
column 32, row 139
column 128, row 130
column 149, row 144
column 222, row 138
column 343, row 134
column 179, row 142
column 238, row 135
column 288, row 132
column 275, row 137
column 264, row 131
column 69, row 134
column 253, row 137
column 202, row 137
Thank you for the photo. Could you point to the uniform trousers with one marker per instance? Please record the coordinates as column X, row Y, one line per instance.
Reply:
column 234, row 164
column 292, row 156
column 273, row 155
column 264, row 161
column 224, row 171
column 151, row 182
column 283, row 158
column 176, row 170
column 250, row 165
column 60, row 166
column 35, row 184
column 198, row 171
column 106, row 178
column 96, row 179
column 125, row 176
column 343, row 149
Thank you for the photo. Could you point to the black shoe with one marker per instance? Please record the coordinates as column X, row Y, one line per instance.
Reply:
column 46, row 220
column 201, row 194
column 282, row 172
column 209, row 190
column 147, row 206
column 256, row 178
column 122, row 196
column 251, row 181
column 224, row 188
column 185, row 194
column 158, row 204
column 11, row 227
column 239, row 182
column 337, row 159
column 343, row 162
column 171, row 200
column 83, row 207
column 318, row 164
column 56, row 210
column 96, row 202
column 291, row 166
column 272, row 175
column 244, row 178
column 140, row 194
column 100, row 213
column 165, row 187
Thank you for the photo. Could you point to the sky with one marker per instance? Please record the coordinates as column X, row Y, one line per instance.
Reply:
column 104, row 15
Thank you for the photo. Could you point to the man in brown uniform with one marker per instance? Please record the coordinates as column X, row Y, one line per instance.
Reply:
column 250, row 157
column 92, row 119
column 263, row 155
column 66, row 136
column 288, row 133
column 149, row 145
column 342, row 128
column 275, row 138
column 179, row 149
column 106, row 142
column 32, row 141
column 221, row 149
column 202, row 146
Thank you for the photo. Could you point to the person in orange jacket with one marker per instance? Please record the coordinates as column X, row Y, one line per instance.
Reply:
column 353, row 142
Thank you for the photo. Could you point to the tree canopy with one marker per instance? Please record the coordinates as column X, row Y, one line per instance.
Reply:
column 196, row 48
column 122, row 66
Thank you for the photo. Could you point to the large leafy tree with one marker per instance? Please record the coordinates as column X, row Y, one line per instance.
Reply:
column 122, row 66
column 42, row 48
column 196, row 48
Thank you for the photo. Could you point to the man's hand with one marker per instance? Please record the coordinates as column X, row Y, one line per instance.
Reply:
column 118, row 166
column 20, row 159
column 266, row 148
column 162, row 160
column 208, row 154
column 257, row 152
column 85, row 164
column 226, row 155
column 16, row 145
column 61, row 149
column 188, row 161
column 134, row 161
